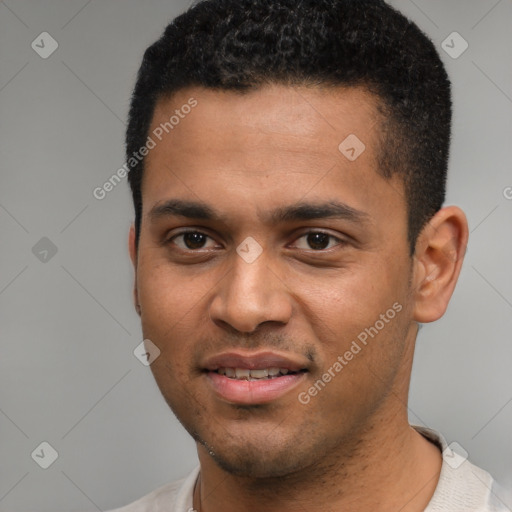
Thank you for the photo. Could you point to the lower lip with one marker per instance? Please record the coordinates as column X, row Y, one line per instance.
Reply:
column 254, row 391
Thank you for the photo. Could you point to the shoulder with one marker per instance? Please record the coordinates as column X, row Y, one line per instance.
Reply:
column 166, row 493
column 172, row 497
column 466, row 487
column 462, row 486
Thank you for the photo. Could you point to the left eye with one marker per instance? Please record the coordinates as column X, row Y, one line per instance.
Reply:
column 191, row 239
column 318, row 240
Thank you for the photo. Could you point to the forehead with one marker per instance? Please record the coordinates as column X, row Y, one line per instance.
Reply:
column 269, row 146
column 290, row 118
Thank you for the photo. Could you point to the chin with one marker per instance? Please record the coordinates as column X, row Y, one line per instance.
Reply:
column 254, row 464
column 256, row 444
column 245, row 457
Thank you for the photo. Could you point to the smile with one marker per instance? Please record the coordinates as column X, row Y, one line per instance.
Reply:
column 254, row 375
column 250, row 378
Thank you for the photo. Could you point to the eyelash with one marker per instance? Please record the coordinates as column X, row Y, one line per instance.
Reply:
column 340, row 241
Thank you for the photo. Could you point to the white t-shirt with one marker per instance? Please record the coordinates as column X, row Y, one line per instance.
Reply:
column 462, row 487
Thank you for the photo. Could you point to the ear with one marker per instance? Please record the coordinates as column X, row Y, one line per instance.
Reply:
column 438, row 257
column 133, row 256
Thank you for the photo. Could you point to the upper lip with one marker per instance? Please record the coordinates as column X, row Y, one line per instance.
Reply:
column 255, row 361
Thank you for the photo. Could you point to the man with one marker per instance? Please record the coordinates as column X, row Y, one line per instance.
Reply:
column 289, row 162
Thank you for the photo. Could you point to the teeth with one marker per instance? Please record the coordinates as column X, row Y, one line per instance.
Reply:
column 242, row 373
column 259, row 374
column 246, row 374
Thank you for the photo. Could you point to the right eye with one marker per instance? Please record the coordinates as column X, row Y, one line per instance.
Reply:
column 191, row 240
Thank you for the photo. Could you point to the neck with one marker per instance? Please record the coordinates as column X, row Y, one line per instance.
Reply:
column 393, row 468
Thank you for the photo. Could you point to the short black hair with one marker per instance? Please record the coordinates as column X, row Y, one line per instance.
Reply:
column 239, row 45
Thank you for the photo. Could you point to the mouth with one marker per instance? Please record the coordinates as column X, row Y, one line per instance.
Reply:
column 257, row 378
column 256, row 374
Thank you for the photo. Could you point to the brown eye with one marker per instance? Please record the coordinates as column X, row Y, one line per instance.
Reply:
column 190, row 240
column 318, row 240
column 194, row 240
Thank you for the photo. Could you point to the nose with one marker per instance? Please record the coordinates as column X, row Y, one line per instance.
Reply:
column 250, row 294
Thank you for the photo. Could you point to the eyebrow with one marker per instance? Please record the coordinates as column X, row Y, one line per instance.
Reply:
column 294, row 212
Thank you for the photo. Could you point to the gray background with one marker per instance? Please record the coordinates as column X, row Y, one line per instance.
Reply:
column 68, row 329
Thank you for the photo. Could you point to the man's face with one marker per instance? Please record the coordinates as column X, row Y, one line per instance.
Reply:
column 261, row 162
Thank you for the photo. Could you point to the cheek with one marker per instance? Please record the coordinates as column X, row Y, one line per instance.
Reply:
column 360, row 353
column 170, row 312
column 353, row 300
column 169, row 294
column 360, row 317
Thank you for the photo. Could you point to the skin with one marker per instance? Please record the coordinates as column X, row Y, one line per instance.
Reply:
column 351, row 447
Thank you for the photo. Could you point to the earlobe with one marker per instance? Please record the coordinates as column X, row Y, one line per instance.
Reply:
column 440, row 250
column 133, row 256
